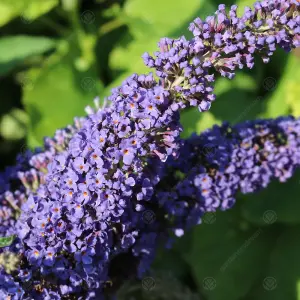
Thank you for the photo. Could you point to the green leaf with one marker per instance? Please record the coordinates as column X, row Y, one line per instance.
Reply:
column 159, row 17
column 28, row 10
column 236, row 100
column 57, row 93
column 164, row 261
column 225, row 254
column 148, row 24
column 9, row 10
column 36, row 8
column 278, row 199
column 6, row 241
column 129, row 58
column 291, row 84
column 284, row 99
column 194, row 121
column 15, row 49
column 13, row 125
column 281, row 280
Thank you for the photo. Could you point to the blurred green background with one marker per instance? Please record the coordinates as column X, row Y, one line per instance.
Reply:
column 56, row 56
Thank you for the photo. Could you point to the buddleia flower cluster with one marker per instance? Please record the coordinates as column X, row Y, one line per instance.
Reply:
column 83, row 229
column 223, row 43
column 222, row 161
column 17, row 182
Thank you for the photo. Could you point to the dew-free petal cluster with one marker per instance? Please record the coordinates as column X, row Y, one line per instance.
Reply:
column 223, row 43
column 17, row 182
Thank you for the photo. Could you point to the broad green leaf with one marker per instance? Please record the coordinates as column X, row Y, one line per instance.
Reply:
column 36, row 8
column 194, row 121
column 291, row 83
column 57, row 93
column 164, row 261
column 237, row 99
column 281, row 280
column 14, row 49
column 28, row 10
column 159, row 17
column 13, row 125
column 6, row 241
column 225, row 254
column 148, row 24
column 278, row 199
column 9, row 10
column 284, row 99
column 130, row 58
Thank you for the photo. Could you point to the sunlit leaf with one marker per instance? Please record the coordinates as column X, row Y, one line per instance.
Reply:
column 57, row 94
column 15, row 49
column 27, row 10
column 6, row 241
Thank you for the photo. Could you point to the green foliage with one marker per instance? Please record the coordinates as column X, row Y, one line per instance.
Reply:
column 278, row 198
column 28, row 10
column 289, row 89
column 223, row 248
column 281, row 278
column 6, row 241
column 14, row 50
column 13, row 125
column 57, row 93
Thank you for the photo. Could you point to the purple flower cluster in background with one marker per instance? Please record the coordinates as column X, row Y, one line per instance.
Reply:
column 17, row 182
column 85, row 218
column 215, row 165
